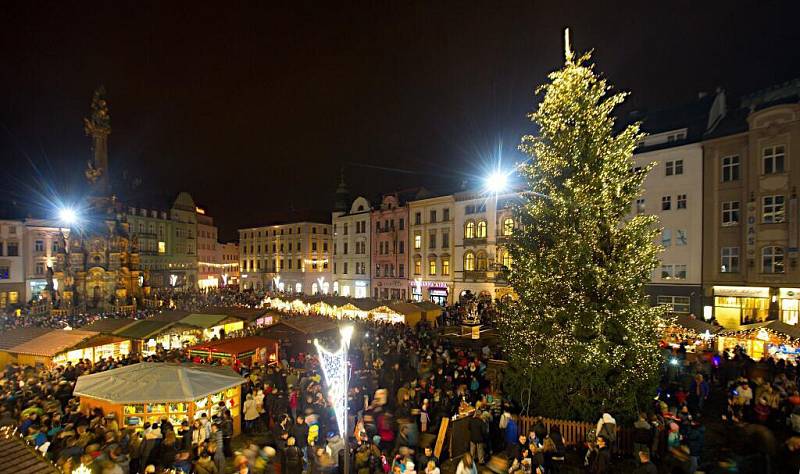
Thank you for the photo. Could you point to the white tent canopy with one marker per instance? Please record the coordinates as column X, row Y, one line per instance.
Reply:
column 157, row 382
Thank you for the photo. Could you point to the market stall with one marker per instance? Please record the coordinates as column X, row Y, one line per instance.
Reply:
column 411, row 313
column 300, row 332
column 694, row 334
column 59, row 346
column 14, row 337
column 768, row 338
column 147, row 334
column 237, row 351
column 150, row 391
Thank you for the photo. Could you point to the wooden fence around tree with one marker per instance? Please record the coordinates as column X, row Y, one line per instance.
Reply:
column 574, row 432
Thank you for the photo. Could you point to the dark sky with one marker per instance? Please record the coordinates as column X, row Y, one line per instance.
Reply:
column 253, row 107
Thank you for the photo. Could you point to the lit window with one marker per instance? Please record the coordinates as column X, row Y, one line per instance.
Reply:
column 773, row 159
column 772, row 259
column 417, row 241
column 469, row 230
column 469, row 262
column 481, row 262
column 508, row 226
column 445, row 267
column 505, row 258
column 162, row 247
column 432, row 268
column 417, row 266
column 772, row 209
column 481, row 234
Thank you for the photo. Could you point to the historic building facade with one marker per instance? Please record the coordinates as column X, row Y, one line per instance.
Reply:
column 673, row 191
column 430, row 259
column 390, row 247
column 209, row 252
column 230, row 264
column 751, row 217
column 352, row 230
column 12, row 265
column 482, row 225
column 291, row 258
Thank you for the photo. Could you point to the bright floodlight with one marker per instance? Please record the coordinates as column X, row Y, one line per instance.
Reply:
column 68, row 215
column 497, row 182
column 346, row 332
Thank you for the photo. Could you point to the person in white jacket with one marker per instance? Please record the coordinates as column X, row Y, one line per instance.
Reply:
column 250, row 413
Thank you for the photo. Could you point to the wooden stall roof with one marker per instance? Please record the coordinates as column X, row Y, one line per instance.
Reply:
column 108, row 325
column 405, row 308
column 157, row 382
column 144, row 329
column 18, row 457
column 99, row 340
column 242, row 314
column 366, row 304
column 234, row 346
column 14, row 337
column 299, row 326
column 428, row 306
column 170, row 316
column 694, row 324
column 779, row 327
column 53, row 342
column 204, row 321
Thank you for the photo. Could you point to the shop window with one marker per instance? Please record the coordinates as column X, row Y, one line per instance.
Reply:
column 772, row 209
column 773, row 159
column 730, row 213
column 729, row 260
column 790, row 311
column 772, row 260
column 676, row 304
column 469, row 262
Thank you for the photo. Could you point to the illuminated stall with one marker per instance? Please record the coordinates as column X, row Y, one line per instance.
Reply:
column 771, row 338
column 58, row 346
column 299, row 333
column 145, row 335
column 13, row 337
column 695, row 334
column 237, row 351
column 150, row 391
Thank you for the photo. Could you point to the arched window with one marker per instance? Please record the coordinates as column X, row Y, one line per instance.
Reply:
column 505, row 258
column 432, row 266
column 508, row 226
column 469, row 230
column 772, row 259
column 469, row 262
column 481, row 234
column 481, row 261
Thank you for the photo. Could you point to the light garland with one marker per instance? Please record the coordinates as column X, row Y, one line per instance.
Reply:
column 334, row 367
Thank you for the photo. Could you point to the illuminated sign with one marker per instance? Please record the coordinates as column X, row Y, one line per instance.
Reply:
column 743, row 291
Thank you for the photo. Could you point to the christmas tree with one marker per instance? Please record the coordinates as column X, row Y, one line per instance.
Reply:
column 582, row 337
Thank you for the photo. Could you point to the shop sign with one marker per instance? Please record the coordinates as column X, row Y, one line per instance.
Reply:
column 791, row 293
column 437, row 292
column 428, row 284
column 742, row 291
column 751, row 229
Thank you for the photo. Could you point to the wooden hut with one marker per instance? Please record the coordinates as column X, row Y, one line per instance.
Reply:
column 237, row 351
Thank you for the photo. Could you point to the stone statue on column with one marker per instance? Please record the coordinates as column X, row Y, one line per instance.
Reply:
column 98, row 126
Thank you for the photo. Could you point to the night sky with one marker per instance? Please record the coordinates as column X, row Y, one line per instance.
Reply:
column 254, row 108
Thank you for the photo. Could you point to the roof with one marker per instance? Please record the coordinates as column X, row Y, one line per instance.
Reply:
column 299, row 326
column 692, row 116
column 366, row 304
column 14, row 337
column 244, row 314
column 237, row 345
column 779, row 327
column 170, row 316
column 204, row 321
column 694, row 324
column 53, row 342
column 108, row 325
column 405, row 308
column 16, row 457
column 143, row 329
column 428, row 306
column 155, row 382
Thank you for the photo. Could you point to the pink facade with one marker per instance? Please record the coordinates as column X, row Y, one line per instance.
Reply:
column 389, row 249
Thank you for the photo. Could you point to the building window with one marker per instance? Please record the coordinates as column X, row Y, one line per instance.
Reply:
column 445, row 267
column 432, row 268
column 673, row 272
column 401, row 245
column 730, row 168
column 344, row 248
column 505, row 258
column 481, row 262
column 417, row 241
column 772, row 260
column 730, row 213
column 666, row 203
column 508, row 226
column 313, row 264
column 12, row 249
column 313, row 230
column 681, row 201
column 38, row 246
column 4, row 270
column 402, row 223
column 469, row 230
column 446, row 214
column 344, row 268
column 674, row 167
column 39, row 268
column 401, row 270
column 432, row 240
column 299, row 264
column 481, row 232
column 417, row 218
column 680, row 237
column 772, row 209
column 162, row 247
column 417, row 266
column 773, row 159
column 666, row 238
column 445, row 240
column 676, row 304
column 313, row 246
column 469, row 262
column 345, row 229
column 729, row 261
column 433, row 217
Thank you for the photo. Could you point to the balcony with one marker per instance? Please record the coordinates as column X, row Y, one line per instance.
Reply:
column 475, row 241
column 475, row 275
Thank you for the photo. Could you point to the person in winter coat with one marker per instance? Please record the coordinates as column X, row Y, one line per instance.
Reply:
column 601, row 463
column 695, row 440
column 642, row 435
column 215, row 447
column 292, row 458
column 251, row 413
column 477, row 437
column 205, row 465
column 466, row 465
column 607, row 427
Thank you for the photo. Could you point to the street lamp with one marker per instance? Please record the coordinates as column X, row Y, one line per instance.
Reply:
column 335, row 369
column 497, row 182
column 68, row 217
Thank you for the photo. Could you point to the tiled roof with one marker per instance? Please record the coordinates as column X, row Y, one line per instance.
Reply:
column 108, row 325
column 15, row 337
column 17, row 457
column 143, row 329
column 53, row 343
